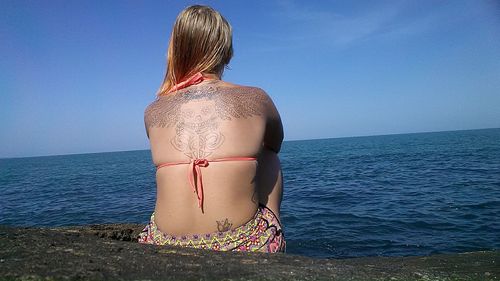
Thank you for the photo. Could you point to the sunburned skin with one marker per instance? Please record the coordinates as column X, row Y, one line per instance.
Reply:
column 196, row 114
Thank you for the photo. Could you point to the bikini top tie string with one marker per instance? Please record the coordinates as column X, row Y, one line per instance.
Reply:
column 194, row 172
column 197, row 78
column 196, row 180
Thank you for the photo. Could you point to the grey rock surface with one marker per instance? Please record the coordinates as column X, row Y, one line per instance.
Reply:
column 111, row 252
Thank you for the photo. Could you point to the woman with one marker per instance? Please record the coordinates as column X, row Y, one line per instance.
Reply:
column 215, row 146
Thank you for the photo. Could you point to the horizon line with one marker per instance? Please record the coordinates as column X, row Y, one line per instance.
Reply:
column 292, row 140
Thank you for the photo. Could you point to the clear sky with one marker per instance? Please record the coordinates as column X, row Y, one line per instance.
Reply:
column 75, row 76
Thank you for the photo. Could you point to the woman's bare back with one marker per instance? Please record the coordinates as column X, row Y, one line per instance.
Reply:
column 212, row 120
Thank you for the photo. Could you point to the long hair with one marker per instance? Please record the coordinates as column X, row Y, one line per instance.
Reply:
column 201, row 41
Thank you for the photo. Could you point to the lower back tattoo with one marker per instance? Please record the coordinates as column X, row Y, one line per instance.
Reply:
column 224, row 225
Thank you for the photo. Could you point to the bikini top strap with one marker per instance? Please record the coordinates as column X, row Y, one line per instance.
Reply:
column 197, row 78
column 195, row 177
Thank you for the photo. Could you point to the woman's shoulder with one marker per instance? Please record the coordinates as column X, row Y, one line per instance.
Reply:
column 246, row 93
column 245, row 89
column 233, row 99
column 254, row 99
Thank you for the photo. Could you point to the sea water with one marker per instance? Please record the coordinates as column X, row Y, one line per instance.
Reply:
column 393, row 195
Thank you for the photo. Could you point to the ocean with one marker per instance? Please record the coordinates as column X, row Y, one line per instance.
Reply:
column 392, row 195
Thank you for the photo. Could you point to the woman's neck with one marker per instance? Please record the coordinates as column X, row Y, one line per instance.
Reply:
column 212, row 76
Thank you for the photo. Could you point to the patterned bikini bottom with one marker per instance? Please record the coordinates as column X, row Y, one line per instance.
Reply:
column 263, row 233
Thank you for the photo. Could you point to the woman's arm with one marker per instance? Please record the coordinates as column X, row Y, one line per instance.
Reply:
column 269, row 180
column 273, row 136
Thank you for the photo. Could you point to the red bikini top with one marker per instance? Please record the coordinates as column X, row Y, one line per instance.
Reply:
column 194, row 171
column 197, row 78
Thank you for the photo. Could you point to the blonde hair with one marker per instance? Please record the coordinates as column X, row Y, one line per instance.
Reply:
column 201, row 41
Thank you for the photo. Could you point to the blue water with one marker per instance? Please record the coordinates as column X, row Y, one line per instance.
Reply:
column 394, row 195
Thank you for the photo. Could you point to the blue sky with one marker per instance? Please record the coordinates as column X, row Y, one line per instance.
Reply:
column 75, row 76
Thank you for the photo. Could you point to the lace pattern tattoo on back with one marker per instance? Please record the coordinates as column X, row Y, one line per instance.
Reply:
column 196, row 113
column 196, row 132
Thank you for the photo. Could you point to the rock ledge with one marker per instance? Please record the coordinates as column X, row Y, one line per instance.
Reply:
column 107, row 252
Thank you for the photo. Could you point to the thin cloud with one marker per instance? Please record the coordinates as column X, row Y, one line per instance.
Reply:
column 331, row 28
